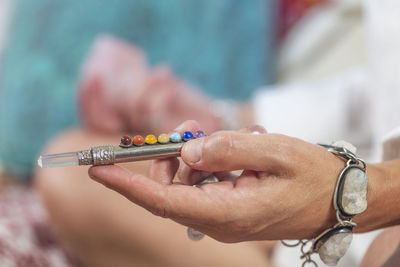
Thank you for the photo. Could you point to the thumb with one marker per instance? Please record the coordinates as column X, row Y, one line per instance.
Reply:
column 228, row 151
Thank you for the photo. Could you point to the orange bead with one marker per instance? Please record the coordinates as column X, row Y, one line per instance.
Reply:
column 138, row 140
column 150, row 139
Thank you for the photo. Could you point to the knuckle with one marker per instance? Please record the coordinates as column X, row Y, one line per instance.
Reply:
column 224, row 141
column 159, row 205
column 159, row 211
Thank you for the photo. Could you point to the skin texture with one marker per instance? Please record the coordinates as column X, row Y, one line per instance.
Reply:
column 99, row 227
column 284, row 192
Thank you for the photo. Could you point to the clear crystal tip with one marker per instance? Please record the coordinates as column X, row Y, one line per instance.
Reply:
column 58, row 160
column 40, row 162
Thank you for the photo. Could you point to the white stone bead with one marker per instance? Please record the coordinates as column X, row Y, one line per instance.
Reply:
column 194, row 235
column 335, row 247
column 354, row 194
column 346, row 145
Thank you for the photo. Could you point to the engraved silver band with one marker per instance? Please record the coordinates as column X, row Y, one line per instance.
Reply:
column 99, row 155
column 103, row 155
column 85, row 157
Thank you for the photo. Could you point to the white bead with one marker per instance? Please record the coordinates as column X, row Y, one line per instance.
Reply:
column 346, row 145
column 354, row 195
column 194, row 235
column 334, row 248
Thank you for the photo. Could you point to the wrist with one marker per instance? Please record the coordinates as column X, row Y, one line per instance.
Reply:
column 383, row 197
column 349, row 200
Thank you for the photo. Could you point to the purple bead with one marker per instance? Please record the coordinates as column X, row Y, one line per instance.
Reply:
column 186, row 136
column 199, row 134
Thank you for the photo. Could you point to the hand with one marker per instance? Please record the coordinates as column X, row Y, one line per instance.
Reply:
column 111, row 69
column 284, row 191
column 120, row 92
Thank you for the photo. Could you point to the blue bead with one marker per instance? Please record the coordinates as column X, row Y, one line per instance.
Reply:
column 175, row 138
column 187, row 136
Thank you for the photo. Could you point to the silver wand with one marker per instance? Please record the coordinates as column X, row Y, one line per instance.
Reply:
column 109, row 154
column 130, row 149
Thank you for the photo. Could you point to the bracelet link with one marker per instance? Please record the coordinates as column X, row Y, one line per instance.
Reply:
column 350, row 199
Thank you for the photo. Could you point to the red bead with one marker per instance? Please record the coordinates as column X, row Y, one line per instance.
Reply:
column 126, row 140
column 138, row 140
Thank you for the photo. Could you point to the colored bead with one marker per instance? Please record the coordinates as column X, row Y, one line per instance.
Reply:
column 175, row 138
column 125, row 141
column 163, row 138
column 186, row 136
column 199, row 134
column 138, row 140
column 150, row 139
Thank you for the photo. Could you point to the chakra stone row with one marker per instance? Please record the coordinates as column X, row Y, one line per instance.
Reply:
column 138, row 140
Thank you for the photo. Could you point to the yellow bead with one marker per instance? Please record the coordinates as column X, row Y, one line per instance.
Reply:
column 150, row 139
column 163, row 138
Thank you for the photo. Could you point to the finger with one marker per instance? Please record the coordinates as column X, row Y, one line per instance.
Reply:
column 173, row 201
column 163, row 170
column 159, row 109
column 191, row 176
column 189, row 125
column 226, row 151
column 94, row 105
column 137, row 188
column 163, row 90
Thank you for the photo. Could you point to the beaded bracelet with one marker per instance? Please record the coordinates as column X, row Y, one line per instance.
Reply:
column 350, row 199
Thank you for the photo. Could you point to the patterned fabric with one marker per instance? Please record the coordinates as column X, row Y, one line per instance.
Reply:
column 222, row 46
column 25, row 239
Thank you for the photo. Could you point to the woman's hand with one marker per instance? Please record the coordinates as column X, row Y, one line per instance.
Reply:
column 120, row 92
column 284, row 191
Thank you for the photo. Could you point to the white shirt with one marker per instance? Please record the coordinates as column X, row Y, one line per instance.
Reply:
column 360, row 104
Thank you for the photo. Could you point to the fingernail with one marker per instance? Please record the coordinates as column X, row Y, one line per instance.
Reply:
column 257, row 129
column 192, row 150
column 180, row 127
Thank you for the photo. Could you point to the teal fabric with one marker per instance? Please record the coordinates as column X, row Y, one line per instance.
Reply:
column 224, row 47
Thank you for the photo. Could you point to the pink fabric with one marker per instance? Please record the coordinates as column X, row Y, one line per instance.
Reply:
column 25, row 238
